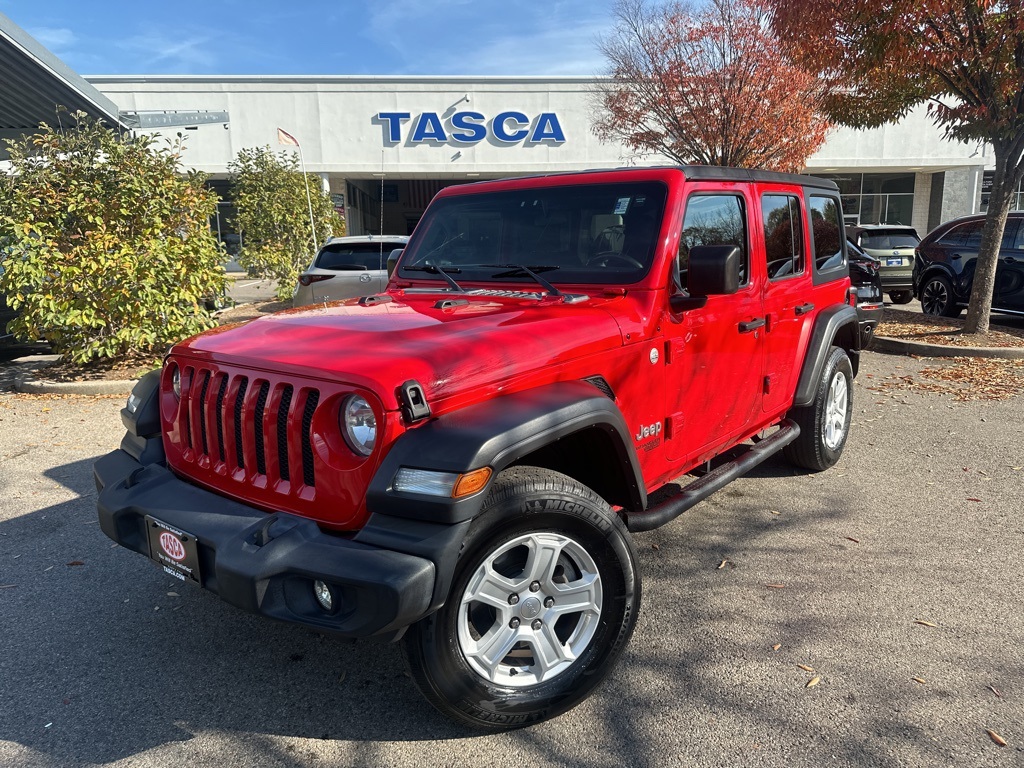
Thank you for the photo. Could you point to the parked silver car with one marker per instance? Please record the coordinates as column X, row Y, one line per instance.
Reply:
column 347, row 267
column 893, row 245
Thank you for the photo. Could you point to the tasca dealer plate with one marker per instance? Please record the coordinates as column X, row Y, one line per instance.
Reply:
column 175, row 550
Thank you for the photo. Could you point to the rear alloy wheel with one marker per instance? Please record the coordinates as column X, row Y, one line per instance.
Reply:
column 544, row 599
column 937, row 297
column 901, row 297
column 825, row 424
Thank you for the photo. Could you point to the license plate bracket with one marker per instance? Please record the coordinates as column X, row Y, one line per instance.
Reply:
column 174, row 550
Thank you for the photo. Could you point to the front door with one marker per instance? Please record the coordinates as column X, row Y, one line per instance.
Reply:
column 715, row 352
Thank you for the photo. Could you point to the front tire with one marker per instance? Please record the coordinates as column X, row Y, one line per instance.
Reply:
column 825, row 424
column 544, row 599
column 937, row 297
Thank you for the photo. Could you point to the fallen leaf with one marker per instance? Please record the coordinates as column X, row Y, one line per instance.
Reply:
column 776, row 586
column 774, row 512
column 918, row 680
column 76, row 562
column 813, row 682
column 722, row 565
column 850, row 538
column 924, row 623
column 47, row 569
column 805, row 668
column 173, row 594
column 995, row 691
column 655, row 547
column 342, row 676
column 776, row 646
column 996, row 737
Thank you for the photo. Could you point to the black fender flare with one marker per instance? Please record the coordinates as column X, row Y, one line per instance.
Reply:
column 938, row 268
column 496, row 434
column 840, row 319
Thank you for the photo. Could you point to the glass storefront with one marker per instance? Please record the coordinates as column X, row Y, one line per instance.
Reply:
column 875, row 198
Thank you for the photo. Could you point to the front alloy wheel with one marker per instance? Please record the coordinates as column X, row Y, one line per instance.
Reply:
column 937, row 297
column 544, row 599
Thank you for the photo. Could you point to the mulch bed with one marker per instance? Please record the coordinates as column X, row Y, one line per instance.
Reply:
column 914, row 326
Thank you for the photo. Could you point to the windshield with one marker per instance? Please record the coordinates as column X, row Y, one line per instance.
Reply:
column 356, row 256
column 878, row 241
column 591, row 233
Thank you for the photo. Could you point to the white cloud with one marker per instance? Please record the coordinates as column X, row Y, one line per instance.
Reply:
column 57, row 39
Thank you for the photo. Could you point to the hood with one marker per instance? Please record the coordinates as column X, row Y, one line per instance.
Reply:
column 482, row 343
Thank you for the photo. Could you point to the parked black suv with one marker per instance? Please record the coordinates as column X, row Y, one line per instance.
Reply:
column 944, row 266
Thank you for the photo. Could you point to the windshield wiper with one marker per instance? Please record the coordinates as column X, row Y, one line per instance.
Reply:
column 433, row 269
column 519, row 270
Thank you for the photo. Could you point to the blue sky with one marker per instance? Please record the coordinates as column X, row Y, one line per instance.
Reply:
column 404, row 37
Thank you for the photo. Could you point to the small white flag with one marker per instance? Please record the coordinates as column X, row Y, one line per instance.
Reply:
column 283, row 137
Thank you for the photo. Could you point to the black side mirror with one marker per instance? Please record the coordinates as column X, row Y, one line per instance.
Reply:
column 714, row 270
column 393, row 258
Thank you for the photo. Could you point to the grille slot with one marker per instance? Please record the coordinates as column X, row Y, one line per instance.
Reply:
column 261, row 404
column 282, row 432
column 308, row 475
column 202, row 413
column 239, row 453
column 220, row 416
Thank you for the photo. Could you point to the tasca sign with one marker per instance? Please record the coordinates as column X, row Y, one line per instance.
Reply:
column 463, row 128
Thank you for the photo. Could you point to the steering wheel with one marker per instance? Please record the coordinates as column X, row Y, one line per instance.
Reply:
column 608, row 256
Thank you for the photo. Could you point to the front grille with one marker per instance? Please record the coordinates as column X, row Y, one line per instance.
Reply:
column 270, row 422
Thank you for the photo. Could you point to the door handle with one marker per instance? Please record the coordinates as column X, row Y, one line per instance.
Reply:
column 955, row 256
column 1011, row 260
column 803, row 309
column 752, row 325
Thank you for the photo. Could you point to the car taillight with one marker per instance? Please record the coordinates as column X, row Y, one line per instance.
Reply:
column 306, row 279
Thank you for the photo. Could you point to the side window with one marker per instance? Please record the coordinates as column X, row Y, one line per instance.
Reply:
column 826, row 233
column 713, row 220
column 783, row 235
column 965, row 236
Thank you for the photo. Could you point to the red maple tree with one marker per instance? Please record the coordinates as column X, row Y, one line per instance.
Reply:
column 707, row 85
column 965, row 59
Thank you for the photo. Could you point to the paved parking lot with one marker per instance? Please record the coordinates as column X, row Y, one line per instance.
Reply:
column 894, row 578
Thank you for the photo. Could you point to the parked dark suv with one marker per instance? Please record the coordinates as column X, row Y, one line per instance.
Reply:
column 944, row 266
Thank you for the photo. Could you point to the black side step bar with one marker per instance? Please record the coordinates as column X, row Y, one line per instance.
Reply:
column 702, row 487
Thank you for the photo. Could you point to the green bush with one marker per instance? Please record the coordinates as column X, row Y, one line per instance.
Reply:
column 105, row 242
column 273, row 215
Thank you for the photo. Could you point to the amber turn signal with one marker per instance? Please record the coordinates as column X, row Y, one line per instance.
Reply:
column 471, row 482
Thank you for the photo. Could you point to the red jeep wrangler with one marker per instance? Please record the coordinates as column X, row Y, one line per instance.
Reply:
column 458, row 462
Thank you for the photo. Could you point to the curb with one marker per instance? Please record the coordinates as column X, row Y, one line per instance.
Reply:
column 900, row 347
column 29, row 384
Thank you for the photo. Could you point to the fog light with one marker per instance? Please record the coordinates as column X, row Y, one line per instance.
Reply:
column 323, row 595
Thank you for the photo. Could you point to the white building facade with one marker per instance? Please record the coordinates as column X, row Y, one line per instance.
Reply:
column 384, row 145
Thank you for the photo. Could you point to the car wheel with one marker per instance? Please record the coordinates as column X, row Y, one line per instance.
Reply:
column 825, row 424
column 901, row 297
column 543, row 601
column 937, row 297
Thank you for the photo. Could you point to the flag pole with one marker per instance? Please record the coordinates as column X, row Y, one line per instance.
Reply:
column 283, row 137
column 309, row 199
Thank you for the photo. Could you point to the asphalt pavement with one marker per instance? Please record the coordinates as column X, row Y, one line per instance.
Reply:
column 893, row 580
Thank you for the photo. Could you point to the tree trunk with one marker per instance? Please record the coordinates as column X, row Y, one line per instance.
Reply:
column 979, row 306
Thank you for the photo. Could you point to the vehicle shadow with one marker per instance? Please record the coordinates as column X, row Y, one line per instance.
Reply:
column 105, row 657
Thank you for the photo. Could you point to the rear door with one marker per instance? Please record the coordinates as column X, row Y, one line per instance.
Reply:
column 788, row 304
column 1009, row 288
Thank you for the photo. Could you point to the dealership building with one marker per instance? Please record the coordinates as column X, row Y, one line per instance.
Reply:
column 384, row 145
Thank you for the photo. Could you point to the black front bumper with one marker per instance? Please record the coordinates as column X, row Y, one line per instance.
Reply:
column 266, row 563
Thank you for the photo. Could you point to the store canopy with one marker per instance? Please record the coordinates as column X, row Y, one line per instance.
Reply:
column 34, row 84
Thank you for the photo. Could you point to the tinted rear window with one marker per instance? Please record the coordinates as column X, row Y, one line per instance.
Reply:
column 356, row 256
column 886, row 240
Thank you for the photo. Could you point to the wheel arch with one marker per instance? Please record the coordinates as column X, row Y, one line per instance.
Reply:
column 937, row 268
column 569, row 427
column 835, row 326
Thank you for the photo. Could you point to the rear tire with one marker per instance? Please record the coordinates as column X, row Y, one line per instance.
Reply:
column 901, row 297
column 825, row 424
column 544, row 599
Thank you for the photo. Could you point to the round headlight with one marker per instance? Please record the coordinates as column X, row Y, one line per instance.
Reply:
column 359, row 425
column 176, row 381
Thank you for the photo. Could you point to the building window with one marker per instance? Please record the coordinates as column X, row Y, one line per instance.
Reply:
column 875, row 198
column 1016, row 200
